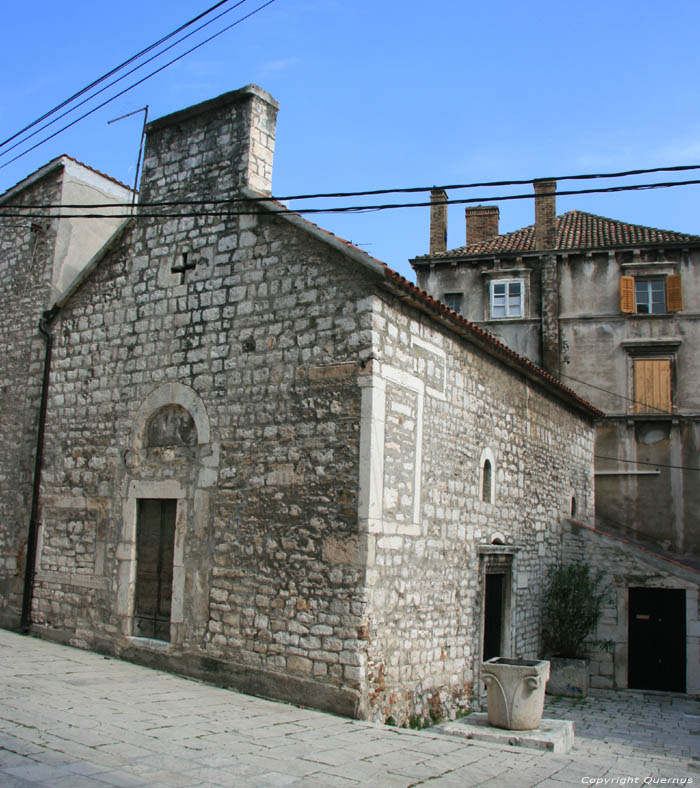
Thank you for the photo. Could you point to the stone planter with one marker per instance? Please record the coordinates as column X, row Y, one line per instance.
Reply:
column 568, row 677
column 515, row 692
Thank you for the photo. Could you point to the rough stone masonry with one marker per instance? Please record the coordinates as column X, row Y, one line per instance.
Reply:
column 310, row 433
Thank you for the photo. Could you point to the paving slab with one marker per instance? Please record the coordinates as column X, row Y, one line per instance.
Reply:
column 551, row 735
column 74, row 719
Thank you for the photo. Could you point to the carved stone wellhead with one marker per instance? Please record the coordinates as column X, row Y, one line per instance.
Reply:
column 515, row 692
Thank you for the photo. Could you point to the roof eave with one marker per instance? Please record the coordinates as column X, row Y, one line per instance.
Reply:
column 481, row 338
column 457, row 256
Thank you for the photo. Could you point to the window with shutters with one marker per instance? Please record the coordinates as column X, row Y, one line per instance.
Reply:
column 652, row 385
column 651, row 295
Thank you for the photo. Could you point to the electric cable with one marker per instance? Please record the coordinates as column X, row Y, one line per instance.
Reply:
column 138, row 82
column 413, row 189
column 643, row 462
column 119, row 79
column 614, row 393
column 116, row 69
column 340, row 209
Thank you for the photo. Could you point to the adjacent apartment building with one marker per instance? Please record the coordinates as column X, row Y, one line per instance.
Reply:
column 267, row 459
column 613, row 310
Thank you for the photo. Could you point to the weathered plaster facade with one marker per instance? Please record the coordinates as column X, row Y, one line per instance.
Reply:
column 322, row 428
column 572, row 294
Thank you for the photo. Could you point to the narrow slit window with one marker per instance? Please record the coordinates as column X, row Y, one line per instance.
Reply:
column 486, row 481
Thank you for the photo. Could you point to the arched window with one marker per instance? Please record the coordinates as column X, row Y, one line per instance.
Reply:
column 487, row 476
column 486, row 482
column 573, row 506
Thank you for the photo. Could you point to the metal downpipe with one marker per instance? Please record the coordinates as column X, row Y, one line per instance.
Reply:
column 33, row 533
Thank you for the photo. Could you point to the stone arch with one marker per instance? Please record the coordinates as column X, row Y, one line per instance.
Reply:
column 171, row 420
column 171, row 395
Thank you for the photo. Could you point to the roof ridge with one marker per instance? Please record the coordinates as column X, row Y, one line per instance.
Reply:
column 524, row 365
column 57, row 161
column 575, row 229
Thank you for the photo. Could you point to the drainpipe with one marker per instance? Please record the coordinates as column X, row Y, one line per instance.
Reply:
column 33, row 534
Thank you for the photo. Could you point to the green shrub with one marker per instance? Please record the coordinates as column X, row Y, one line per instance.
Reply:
column 573, row 605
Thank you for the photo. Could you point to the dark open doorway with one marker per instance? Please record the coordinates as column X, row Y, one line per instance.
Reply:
column 155, row 542
column 493, row 615
column 657, row 659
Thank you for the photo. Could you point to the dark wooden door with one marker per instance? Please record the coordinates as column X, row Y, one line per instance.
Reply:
column 493, row 615
column 155, row 543
column 657, row 639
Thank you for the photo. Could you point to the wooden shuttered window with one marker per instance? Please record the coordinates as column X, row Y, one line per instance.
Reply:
column 674, row 293
column 652, row 386
column 627, row 294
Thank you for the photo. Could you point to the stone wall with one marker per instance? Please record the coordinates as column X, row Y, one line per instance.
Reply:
column 26, row 260
column 319, row 441
column 264, row 341
column 445, row 407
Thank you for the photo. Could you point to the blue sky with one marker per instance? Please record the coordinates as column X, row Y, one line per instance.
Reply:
column 379, row 93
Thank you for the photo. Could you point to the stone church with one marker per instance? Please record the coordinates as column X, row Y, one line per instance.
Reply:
column 266, row 459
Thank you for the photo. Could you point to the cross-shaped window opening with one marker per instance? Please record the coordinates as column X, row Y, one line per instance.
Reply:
column 184, row 267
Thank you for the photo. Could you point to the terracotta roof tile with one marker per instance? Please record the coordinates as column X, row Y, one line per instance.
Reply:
column 438, row 307
column 575, row 230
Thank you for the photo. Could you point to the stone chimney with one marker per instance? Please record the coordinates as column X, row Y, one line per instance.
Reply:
column 482, row 223
column 212, row 149
column 438, row 221
column 546, row 241
column 545, row 214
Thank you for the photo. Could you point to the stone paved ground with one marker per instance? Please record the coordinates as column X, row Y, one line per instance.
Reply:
column 73, row 719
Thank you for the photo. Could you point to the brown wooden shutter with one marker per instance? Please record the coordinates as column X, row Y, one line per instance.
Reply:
column 652, row 385
column 674, row 293
column 627, row 294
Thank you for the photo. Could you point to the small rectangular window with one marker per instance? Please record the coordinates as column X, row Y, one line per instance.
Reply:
column 506, row 298
column 650, row 296
column 453, row 301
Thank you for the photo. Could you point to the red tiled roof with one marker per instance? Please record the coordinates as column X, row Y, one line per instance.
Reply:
column 426, row 300
column 575, row 230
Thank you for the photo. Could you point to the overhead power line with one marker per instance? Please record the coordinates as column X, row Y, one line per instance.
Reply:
column 119, row 79
column 138, row 82
column 405, row 190
column 642, row 462
column 115, row 70
column 614, row 393
column 7, row 210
